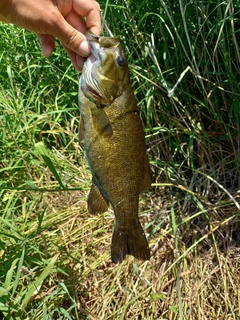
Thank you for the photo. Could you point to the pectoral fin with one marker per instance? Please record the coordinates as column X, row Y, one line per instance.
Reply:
column 96, row 202
column 101, row 122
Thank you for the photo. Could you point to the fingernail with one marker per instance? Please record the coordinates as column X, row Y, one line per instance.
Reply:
column 46, row 50
column 84, row 48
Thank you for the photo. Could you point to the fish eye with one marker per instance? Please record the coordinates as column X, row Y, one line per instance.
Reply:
column 120, row 61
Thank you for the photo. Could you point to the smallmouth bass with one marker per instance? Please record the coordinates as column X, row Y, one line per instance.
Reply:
column 115, row 145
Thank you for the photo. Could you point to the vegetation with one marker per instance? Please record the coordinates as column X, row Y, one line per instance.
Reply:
column 54, row 257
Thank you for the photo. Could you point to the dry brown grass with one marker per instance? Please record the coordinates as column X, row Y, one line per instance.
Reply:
column 198, row 280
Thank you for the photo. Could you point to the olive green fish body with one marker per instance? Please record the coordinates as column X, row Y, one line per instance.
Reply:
column 115, row 148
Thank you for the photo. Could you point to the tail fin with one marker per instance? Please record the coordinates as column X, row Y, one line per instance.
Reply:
column 131, row 242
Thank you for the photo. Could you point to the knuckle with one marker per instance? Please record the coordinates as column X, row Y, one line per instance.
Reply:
column 97, row 6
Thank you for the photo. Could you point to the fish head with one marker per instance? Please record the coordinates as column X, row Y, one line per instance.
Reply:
column 104, row 70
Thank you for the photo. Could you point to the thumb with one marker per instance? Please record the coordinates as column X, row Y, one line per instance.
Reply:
column 70, row 36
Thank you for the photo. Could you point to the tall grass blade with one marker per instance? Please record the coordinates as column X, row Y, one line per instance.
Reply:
column 41, row 149
column 35, row 285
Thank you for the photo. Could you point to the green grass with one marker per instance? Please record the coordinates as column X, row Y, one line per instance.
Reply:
column 54, row 257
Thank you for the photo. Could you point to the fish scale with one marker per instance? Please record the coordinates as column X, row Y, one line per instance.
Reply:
column 115, row 145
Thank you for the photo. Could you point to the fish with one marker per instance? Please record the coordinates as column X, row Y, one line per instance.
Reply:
column 114, row 142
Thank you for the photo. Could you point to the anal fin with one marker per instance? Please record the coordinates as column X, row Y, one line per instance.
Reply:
column 96, row 202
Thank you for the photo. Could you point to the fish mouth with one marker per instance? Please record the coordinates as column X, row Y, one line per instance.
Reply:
column 94, row 43
column 89, row 84
column 92, row 78
column 98, row 42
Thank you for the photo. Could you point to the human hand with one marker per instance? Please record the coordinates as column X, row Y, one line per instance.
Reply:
column 60, row 18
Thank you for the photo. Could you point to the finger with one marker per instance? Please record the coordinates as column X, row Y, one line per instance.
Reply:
column 90, row 10
column 47, row 43
column 76, row 21
column 70, row 37
column 76, row 60
column 80, row 62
